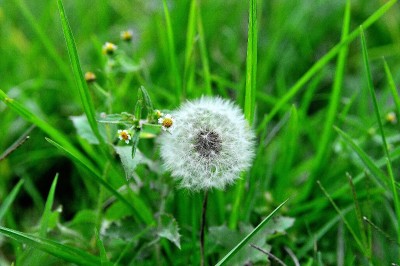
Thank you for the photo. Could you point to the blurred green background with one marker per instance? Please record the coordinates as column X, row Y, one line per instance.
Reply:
column 293, row 35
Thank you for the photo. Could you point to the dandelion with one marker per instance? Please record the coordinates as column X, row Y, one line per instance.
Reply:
column 90, row 77
column 124, row 135
column 109, row 48
column 211, row 145
column 126, row 35
column 167, row 123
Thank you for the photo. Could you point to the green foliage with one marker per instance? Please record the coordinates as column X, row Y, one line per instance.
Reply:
column 324, row 107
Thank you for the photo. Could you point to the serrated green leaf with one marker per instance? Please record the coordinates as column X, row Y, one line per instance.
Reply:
column 169, row 229
column 122, row 118
column 84, row 130
column 129, row 164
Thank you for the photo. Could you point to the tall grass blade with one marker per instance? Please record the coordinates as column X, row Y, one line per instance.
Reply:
column 203, row 52
column 137, row 206
column 64, row 252
column 245, row 240
column 384, row 142
column 175, row 75
column 251, row 63
column 82, row 87
column 47, row 208
column 392, row 86
column 10, row 199
column 334, row 99
column 323, row 62
column 250, row 96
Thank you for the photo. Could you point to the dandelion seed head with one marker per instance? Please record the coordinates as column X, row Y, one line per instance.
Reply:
column 211, row 145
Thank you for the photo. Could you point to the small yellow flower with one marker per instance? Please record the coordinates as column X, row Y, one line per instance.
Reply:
column 124, row 135
column 391, row 117
column 126, row 35
column 90, row 77
column 167, row 123
column 109, row 48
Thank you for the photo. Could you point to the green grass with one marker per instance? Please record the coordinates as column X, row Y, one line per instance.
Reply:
column 320, row 102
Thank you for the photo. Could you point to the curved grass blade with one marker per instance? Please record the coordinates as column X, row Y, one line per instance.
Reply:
column 322, row 62
column 9, row 199
column 82, row 87
column 379, row 175
column 137, row 207
column 61, row 251
column 249, row 236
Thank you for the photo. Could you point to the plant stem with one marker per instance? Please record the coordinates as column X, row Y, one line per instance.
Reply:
column 203, row 224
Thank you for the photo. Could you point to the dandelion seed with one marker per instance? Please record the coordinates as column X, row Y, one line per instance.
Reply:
column 126, row 35
column 211, row 145
column 109, row 48
column 167, row 123
column 90, row 77
column 124, row 135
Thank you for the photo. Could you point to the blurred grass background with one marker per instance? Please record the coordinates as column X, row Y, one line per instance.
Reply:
column 292, row 36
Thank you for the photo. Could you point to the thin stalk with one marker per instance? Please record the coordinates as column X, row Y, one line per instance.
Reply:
column 203, row 224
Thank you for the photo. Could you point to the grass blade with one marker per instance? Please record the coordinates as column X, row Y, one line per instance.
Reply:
column 250, row 97
column 251, row 63
column 322, row 62
column 82, row 87
column 359, row 243
column 379, row 175
column 326, row 137
column 384, row 142
column 40, row 123
column 249, row 236
column 137, row 207
column 176, row 78
column 9, row 199
column 392, row 87
column 47, row 208
column 64, row 252
column 203, row 52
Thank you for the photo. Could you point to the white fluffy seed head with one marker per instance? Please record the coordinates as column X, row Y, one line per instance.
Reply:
column 211, row 145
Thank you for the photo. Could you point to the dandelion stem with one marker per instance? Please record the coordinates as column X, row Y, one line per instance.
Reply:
column 203, row 224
